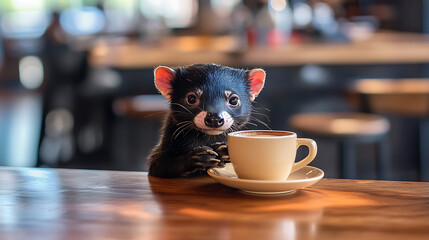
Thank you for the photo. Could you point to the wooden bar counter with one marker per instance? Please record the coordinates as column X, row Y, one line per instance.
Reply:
column 83, row 204
column 381, row 48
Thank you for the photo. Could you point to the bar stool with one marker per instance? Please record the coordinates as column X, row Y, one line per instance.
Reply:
column 400, row 97
column 348, row 129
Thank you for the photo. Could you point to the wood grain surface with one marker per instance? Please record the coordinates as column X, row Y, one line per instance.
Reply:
column 82, row 204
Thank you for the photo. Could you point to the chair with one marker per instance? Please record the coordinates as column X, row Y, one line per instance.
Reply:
column 400, row 97
column 348, row 129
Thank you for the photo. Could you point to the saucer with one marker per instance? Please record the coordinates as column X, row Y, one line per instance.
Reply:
column 302, row 178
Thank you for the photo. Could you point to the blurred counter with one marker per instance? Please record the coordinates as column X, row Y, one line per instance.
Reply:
column 382, row 48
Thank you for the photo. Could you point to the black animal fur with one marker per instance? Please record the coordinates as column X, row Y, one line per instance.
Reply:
column 184, row 149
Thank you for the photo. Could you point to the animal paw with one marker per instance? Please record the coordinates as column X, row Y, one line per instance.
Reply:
column 202, row 158
column 221, row 148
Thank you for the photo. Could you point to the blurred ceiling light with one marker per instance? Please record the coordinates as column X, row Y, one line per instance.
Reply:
column 223, row 7
column 24, row 24
column 82, row 21
column 31, row 72
column 302, row 14
column 177, row 14
column 278, row 5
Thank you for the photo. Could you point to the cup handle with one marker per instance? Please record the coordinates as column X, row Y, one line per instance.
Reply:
column 312, row 151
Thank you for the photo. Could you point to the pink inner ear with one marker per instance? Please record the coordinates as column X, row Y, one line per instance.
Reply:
column 163, row 78
column 257, row 80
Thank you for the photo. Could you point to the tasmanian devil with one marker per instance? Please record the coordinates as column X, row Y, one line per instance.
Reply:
column 207, row 101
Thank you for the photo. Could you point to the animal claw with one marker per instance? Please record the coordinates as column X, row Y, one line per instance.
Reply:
column 212, row 152
column 221, row 147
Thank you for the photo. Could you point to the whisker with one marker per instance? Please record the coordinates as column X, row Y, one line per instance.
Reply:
column 183, row 129
column 180, row 105
column 189, row 129
column 261, row 114
column 266, row 109
column 180, row 123
column 177, row 132
column 253, row 124
column 255, row 111
column 261, row 122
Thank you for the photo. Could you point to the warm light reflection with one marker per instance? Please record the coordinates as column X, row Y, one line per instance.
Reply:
column 344, row 126
column 278, row 5
column 293, row 208
column 126, row 209
column 100, row 50
column 359, row 125
column 391, row 86
column 288, row 230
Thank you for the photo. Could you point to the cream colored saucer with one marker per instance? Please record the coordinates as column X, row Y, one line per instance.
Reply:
column 302, row 178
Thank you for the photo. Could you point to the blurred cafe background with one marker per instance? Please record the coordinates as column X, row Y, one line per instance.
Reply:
column 76, row 77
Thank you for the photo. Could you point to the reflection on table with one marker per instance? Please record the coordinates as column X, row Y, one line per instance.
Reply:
column 79, row 204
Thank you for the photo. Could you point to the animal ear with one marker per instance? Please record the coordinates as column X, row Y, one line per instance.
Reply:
column 163, row 78
column 256, row 78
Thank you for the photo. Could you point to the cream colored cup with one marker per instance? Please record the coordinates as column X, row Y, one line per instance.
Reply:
column 267, row 155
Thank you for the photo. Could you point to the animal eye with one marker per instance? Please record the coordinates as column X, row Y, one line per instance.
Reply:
column 191, row 99
column 234, row 101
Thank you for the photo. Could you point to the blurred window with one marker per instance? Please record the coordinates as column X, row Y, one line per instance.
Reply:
column 82, row 21
column 23, row 5
column 24, row 18
column 121, row 16
column 24, row 24
column 223, row 7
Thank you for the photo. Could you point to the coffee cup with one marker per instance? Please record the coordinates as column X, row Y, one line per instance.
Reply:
column 267, row 155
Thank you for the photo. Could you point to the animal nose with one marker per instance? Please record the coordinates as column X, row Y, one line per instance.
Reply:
column 214, row 120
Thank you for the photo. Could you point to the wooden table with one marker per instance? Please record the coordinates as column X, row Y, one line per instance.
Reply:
column 381, row 48
column 81, row 204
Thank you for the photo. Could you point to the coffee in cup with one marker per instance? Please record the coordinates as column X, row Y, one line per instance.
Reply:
column 267, row 155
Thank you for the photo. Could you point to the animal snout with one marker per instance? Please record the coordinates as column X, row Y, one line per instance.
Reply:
column 214, row 120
